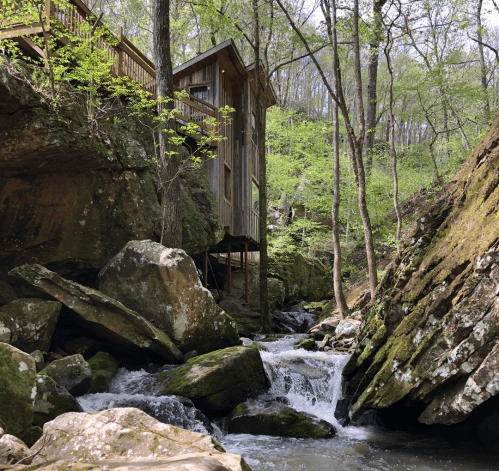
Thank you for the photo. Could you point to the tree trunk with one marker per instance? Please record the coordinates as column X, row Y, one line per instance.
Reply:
column 393, row 151
column 372, row 80
column 483, row 69
column 168, row 159
column 262, row 177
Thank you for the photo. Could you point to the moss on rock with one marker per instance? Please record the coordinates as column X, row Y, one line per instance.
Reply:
column 217, row 381
column 17, row 390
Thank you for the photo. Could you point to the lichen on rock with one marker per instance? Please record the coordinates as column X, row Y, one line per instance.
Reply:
column 432, row 334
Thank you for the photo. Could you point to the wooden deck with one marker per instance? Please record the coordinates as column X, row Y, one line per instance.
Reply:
column 127, row 59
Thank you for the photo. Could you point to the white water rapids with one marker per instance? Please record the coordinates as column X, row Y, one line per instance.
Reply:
column 311, row 382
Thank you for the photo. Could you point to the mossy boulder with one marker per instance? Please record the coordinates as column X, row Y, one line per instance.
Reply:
column 276, row 418
column 304, row 279
column 17, row 390
column 104, row 368
column 107, row 318
column 52, row 400
column 307, row 344
column 31, row 322
column 163, row 285
column 72, row 373
column 216, row 382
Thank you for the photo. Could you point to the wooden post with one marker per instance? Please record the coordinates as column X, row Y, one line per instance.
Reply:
column 229, row 271
column 246, row 287
column 119, row 53
column 205, row 280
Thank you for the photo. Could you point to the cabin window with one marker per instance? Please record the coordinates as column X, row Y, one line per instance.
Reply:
column 227, row 183
column 200, row 92
column 254, row 132
column 255, row 198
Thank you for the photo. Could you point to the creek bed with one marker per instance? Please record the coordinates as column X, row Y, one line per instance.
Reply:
column 311, row 382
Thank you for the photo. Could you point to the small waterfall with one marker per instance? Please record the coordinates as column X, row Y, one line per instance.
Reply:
column 311, row 381
column 132, row 389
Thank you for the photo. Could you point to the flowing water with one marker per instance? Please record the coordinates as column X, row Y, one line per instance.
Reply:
column 311, row 381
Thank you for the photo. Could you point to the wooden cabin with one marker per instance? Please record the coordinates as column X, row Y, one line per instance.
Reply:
column 220, row 78
column 214, row 79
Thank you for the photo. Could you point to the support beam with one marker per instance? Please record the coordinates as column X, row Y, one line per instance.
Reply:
column 246, row 285
column 229, row 271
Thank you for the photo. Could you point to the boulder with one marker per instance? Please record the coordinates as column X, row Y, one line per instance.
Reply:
column 185, row 462
column 72, row 373
column 104, row 368
column 248, row 321
column 307, row 344
column 12, row 450
column 106, row 317
column 216, row 382
column 125, row 433
column 17, row 389
column 326, row 326
column 31, row 322
column 39, row 360
column 163, row 285
column 52, row 400
column 274, row 417
column 347, row 329
column 304, row 279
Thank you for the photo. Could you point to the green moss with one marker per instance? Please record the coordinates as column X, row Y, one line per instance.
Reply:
column 17, row 373
column 307, row 344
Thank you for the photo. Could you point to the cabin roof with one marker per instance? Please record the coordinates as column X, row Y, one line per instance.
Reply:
column 226, row 52
column 231, row 62
column 272, row 97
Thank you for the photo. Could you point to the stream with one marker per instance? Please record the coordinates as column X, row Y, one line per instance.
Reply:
column 311, row 381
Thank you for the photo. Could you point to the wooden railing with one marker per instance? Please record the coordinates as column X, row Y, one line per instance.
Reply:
column 226, row 213
column 127, row 59
column 254, row 227
column 254, row 161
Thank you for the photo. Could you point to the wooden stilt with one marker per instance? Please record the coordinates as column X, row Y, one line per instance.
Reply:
column 246, row 287
column 205, row 277
column 229, row 271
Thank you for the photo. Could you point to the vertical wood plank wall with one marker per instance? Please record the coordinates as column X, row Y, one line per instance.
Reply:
column 238, row 159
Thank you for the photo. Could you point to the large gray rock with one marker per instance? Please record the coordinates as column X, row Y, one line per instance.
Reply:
column 17, row 390
column 276, row 418
column 185, row 462
column 12, row 450
column 125, row 433
column 72, row 373
column 52, row 400
column 304, row 279
column 163, row 285
column 106, row 317
column 218, row 381
column 31, row 322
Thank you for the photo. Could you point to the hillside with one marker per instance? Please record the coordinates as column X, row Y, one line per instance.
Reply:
column 431, row 340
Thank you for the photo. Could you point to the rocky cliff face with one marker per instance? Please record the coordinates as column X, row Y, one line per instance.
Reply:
column 71, row 195
column 432, row 337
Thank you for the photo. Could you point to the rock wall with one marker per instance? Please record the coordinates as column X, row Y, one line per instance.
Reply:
column 431, row 338
column 72, row 195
